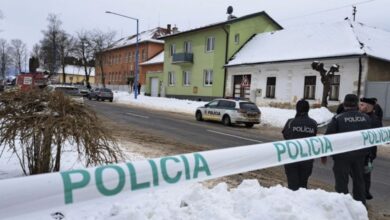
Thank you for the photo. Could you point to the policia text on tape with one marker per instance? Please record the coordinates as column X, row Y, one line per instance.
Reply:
column 48, row 191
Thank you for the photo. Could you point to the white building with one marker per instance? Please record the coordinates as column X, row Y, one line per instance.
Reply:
column 275, row 68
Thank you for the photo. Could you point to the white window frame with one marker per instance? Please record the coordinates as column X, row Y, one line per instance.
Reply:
column 208, row 77
column 172, row 49
column 309, row 90
column 171, row 79
column 187, row 47
column 186, row 78
column 236, row 38
column 210, row 44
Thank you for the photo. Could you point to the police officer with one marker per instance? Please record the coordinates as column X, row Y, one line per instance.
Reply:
column 367, row 106
column 350, row 162
column 378, row 109
column 299, row 127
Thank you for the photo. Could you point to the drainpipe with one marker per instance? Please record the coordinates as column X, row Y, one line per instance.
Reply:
column 226, row 59
column 360, row 76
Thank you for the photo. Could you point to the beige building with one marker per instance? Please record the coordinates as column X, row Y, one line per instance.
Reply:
column 76, row 75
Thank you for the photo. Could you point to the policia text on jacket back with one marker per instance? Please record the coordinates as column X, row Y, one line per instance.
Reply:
column 350, row 163
column 299, row 127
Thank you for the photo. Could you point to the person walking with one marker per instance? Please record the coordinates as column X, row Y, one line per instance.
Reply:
column 367, row 105
column 300, row 126
column 350, row 162
column 139, row 88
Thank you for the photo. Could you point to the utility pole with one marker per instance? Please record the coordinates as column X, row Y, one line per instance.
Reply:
column 354, row 12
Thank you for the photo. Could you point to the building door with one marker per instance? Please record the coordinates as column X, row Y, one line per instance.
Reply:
column 242, row 84
column 154, row 87
column 381, row 91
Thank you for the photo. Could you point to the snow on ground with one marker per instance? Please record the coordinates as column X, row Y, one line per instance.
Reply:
column 194, row 201
column 269, row 116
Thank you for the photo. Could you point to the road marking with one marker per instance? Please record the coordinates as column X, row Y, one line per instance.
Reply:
column 231, row 135
column 141, row 116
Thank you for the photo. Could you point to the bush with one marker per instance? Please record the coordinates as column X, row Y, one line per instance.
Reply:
column 36, row 124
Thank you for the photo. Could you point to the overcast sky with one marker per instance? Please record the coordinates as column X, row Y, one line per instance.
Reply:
column 25, row 19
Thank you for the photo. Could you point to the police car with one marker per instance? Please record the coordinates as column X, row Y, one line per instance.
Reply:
column 229, row 112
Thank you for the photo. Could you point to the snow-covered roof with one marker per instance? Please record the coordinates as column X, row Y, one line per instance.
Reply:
column 73, row 69
column 145, row 36
column 315, row 41
column 221, row 23
column 159, row 58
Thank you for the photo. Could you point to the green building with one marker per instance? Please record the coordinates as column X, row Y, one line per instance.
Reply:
column 194, row 60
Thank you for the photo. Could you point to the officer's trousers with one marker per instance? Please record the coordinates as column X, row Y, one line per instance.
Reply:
column 298, row 174
column 350, row 164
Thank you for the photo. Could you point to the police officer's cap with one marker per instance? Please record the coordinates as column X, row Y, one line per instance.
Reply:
column 302, row 106
column 351, row 100
column 370, row 101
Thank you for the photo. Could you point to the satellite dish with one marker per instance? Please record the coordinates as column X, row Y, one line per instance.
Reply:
column 229, row 10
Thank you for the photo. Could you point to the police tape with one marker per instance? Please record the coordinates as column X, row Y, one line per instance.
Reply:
column 39, row 192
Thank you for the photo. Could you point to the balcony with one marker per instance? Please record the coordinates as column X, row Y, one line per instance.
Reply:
column 179, row 58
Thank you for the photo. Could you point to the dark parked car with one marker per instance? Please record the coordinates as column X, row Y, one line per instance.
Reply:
column 101, row 94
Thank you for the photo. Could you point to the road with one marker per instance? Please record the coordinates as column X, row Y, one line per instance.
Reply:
column 185, row 129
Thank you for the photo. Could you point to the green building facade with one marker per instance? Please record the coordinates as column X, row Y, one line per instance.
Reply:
column 194, row 60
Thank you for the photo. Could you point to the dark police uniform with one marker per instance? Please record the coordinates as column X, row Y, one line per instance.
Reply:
column 350, row 162
column 298, row 173
column 375, row 123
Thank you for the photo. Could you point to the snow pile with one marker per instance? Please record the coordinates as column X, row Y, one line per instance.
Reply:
column 158, row 103
column 248, row 201
column 278, row 117
column 269, row 116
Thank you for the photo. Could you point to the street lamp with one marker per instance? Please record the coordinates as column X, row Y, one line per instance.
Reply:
column 136, row 52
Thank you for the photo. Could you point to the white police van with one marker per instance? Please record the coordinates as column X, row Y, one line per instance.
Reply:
column 229, row 112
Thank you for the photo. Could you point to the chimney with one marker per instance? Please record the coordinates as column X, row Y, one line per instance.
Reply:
column 169, row 28
column 175, row 30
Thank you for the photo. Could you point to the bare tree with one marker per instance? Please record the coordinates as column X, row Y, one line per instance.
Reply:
column 5, row 58
column 101, row 42
column 19, row 52
column 326, row 77
column 50, row 44
column 35, row 57
column 83, row 51
column 35, row 126
column 65, row 48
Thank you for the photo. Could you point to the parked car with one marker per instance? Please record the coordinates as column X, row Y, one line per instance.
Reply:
column 83, row 90
column 229, row 112
column 68, row 90
column 101, row 94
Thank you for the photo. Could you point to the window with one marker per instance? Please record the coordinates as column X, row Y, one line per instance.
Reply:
column 226, row 104
column 334, row 87
column 171, row 78
column 213, row 104
column 172, row 49
column 120, row 58
column 208, row 77
column 270, row 91
column 144, row 55
column 187, row 47
column 186, row 78
column 237, row 38
column 210, row 42
column 130, row 57
column 310, row 87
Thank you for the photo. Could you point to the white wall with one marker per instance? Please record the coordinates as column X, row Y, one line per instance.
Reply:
column 290, row 79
